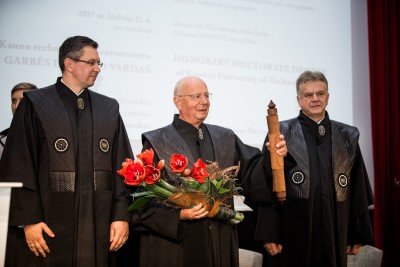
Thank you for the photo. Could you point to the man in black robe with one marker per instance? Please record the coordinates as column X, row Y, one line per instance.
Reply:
column 65, row 144
column 17, row 93
column 325, row 216
column 186, row 237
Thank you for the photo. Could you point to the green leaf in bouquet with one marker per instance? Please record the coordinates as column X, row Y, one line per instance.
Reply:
column 189, row 185
column 229, row 183
column 223, row 191
column 143, row 194
column 218, row 183
column 213, row 191
column 235, row 189
column 139, row 202
column 205, row 187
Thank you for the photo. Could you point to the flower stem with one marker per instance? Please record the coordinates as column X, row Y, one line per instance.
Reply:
column 167, row 186
column 159, row 191
column 238, row 218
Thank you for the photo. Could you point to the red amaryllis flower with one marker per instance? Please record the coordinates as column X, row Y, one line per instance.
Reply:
column 152, row 175
column 147, row 156
column 133, row 172
column 199, row 172
column 125, row 165
column 178, row 163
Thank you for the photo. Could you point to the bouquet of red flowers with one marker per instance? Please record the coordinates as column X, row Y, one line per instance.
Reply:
column 206, row 184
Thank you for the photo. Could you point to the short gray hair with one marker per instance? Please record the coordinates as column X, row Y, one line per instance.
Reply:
column 308, row 76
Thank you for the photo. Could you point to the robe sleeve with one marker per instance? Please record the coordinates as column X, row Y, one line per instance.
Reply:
column 360, row 229
column 19, row 163
column 122, row 150
column 268, row 224
column 269, row 210
column 256, row 172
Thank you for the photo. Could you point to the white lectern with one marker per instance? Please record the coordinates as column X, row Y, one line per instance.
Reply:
column 5, row 194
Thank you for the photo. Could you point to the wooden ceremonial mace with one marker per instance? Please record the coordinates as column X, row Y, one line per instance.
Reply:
column 278, row 174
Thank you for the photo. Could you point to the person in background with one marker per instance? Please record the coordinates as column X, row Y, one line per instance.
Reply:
column 187, row 237
column 69, row 142
column 17, row 93
column 325, row 217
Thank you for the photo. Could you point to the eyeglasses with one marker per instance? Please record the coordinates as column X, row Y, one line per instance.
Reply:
column 89, row 62
column 197, row 97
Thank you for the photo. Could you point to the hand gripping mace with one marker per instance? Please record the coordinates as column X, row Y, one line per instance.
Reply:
column 276, row 160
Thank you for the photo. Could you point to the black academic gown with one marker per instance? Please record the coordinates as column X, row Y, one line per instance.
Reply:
column 167, row 241
column 3, row 138
column 67, row 159
column 328, row 194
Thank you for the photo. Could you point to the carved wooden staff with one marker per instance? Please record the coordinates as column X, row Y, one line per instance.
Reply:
column 276, row 160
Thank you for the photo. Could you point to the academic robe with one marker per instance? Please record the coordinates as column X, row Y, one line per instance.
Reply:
column 167, row 241
column 328, row 194
column 3, row 138
column 67, row 159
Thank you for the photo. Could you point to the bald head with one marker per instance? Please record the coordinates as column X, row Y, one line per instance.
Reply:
column 191, row 97
column 188, row 83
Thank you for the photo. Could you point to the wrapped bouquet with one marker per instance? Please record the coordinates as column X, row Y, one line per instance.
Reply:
column 206, row 184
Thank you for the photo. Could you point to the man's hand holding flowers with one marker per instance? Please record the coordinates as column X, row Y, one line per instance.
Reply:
column 197, row 212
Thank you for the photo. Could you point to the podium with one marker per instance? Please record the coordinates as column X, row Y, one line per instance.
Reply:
column 5, row 194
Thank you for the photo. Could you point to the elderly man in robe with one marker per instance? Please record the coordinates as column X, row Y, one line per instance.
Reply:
column 187, row 237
